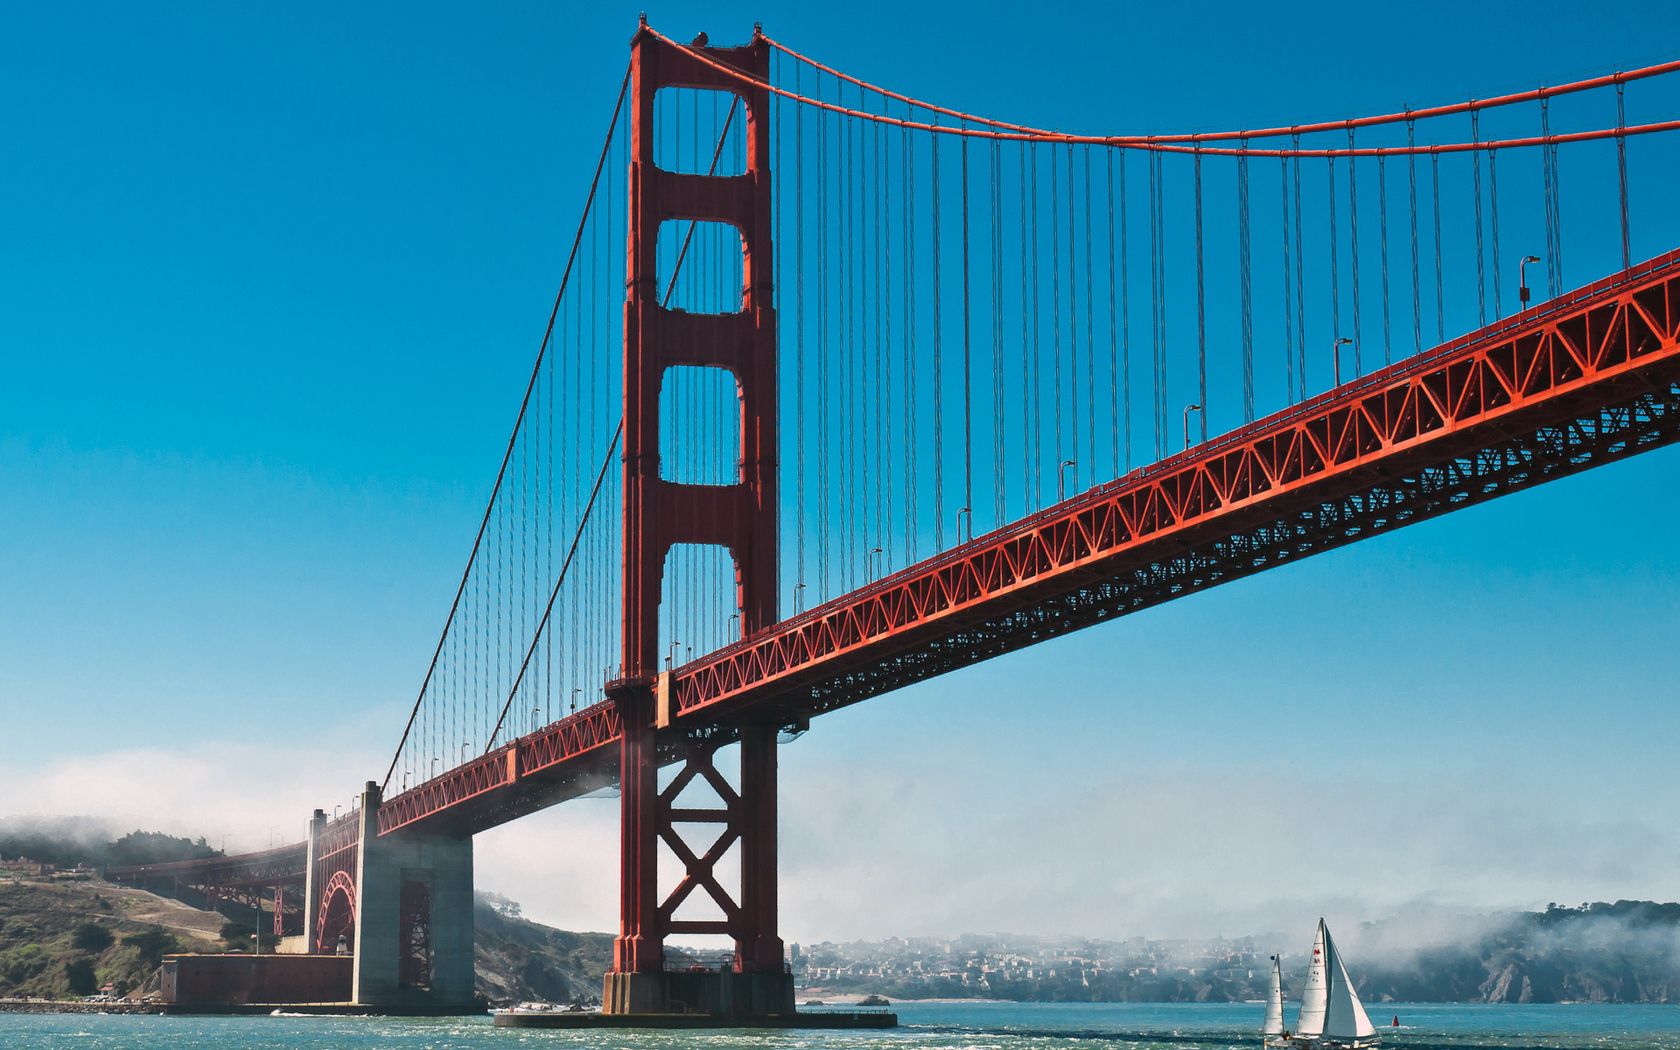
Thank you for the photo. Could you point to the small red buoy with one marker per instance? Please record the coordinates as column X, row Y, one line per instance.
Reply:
column 1396, row 1023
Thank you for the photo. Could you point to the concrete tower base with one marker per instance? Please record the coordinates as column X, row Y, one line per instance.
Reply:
column 414, row 917
column 723, row 995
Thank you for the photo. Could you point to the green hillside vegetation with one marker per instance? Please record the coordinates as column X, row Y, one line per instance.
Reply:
column 62, row 939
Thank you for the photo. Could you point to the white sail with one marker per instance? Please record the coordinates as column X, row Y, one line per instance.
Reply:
column 1274, row 1002
column 1315, row 994
column 1344, row 1018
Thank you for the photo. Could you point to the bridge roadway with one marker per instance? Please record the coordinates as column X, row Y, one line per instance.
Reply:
column 1588, row 378
column 282, row 865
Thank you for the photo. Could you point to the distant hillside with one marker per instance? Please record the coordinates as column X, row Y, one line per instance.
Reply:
column 65, row 842
column 1625, row 952
column 518, row 959
column 65, row 938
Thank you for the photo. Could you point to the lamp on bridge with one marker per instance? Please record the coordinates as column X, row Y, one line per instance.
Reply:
column 1522, row 277
column 1187, row 410
column 1061, row 488
column 1336, row 353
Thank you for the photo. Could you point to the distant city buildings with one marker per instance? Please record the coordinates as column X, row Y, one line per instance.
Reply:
column 1006, row 967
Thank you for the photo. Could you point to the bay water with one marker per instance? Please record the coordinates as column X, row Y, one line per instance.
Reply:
column 923, row 1026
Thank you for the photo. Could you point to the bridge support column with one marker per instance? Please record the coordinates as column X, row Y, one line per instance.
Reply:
column 414, row 916
column 311, row 876
column 658, row 514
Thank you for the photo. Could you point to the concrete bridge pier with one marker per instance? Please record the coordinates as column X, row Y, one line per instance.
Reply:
column 414, row 917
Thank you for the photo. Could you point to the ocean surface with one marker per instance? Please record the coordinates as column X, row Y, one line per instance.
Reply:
column 924, row 1026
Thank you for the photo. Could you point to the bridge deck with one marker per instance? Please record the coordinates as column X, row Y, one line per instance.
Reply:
column 1586, row 378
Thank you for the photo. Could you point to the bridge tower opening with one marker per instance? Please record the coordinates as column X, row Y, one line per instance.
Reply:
column 739, row 516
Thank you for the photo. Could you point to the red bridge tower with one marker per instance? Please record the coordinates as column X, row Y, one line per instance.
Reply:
column 659, row 514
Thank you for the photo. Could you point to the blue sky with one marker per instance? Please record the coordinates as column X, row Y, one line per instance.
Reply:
column 273, row 278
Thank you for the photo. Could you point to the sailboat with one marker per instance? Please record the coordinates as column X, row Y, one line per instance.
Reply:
column 1273, row 1028
column 1331, row 1016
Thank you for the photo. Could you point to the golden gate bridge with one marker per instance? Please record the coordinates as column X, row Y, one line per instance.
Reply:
column 1032, row 381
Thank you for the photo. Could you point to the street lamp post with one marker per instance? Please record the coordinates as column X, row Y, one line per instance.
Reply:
column 1187, row 410
column 1061, row 487
column 1522, row 277
column 873, row 551
column 1336, row 355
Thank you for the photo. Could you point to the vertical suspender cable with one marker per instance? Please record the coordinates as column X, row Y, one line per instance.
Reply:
column 1621, row 172
column 938, row 354
column 1000, row 485
column 968, row 363
column 1035, row 399
column 1058, row 448
column 1476, row 185
column 1417, row 299
column 1335, row 265
column 1113, row 326
column 1353, row 254
column 1440, row 299
column 1028, row 360
column 1290, row 396
column 1245, row 278
column 1201, row 308
column 1300, row 281
column 912, row 369
column 1382, row 215
column 799, row 339
column 1090, row 337
column 1493, row 217
column 1125, row 312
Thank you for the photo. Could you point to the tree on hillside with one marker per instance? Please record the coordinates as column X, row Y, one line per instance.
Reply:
column 153, row 847
column 90, row 937
column 78, row 974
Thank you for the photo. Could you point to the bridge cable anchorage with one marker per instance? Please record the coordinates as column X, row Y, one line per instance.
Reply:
column 1192, row 143
column 1450, row 109
column 466, row 574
